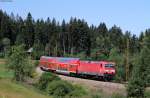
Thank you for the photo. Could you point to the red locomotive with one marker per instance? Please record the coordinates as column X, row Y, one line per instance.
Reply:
column 100, row 69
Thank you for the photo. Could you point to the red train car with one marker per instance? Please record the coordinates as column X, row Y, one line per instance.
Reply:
column 97, row 68
column 59, row 64
column 76, row 66
column 47, row 63
column 67, row 65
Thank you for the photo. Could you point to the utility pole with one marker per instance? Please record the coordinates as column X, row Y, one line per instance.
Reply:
column 127, row 59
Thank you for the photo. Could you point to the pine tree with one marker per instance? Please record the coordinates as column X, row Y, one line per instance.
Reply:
column 29, row 31
column 140, row 76
column 114, row 56
column 116, row 37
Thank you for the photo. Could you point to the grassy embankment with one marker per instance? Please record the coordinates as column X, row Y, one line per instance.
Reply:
column 11, row 89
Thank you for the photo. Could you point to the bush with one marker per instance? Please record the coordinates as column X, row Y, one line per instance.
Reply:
column 135, row 88
column 96, row 96
column 56, row 87
column 19, row 62
column 45, row 79
column 59, row 88
column 36, row 63
column 78, row 91
column 116, row 95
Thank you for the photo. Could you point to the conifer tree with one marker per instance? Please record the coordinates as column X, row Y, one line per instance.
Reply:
column 140, row 76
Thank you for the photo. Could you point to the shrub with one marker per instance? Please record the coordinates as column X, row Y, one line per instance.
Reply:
column 96, row 96
column 52, row 84
column 78, row 91
column 18, row 61
column 116, row 95
column 36, row 63
column 59, row 88
column 135, row 88
column 45, row 78
column 34, row 74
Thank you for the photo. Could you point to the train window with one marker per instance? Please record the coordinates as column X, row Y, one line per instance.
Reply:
column 72, row 66
column 65, row 69
column 109, row 66
column 61, row 68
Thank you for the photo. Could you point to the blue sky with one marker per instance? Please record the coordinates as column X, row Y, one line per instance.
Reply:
column 132, row 15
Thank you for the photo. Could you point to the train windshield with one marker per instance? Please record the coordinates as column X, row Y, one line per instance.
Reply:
column 109, row 65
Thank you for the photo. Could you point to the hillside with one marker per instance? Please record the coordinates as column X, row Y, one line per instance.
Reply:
column 10, row 89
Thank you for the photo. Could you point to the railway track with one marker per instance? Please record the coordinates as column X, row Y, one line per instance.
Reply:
column 93, row 85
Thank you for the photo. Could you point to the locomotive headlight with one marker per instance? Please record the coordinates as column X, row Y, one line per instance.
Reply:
column 106, row 70
column 113, row 71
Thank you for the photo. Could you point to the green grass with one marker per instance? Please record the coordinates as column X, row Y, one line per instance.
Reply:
column 5, row 73
column 147, row 93
column 11, row 89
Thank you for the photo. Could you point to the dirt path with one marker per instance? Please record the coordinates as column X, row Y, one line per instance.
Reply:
column 106, row 87
column 2, row 61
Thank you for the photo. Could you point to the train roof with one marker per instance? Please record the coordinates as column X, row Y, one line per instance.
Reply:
column 73, row 60
column 96, row 62
column 67, row 60
column 62, row 59
column 46, row 57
